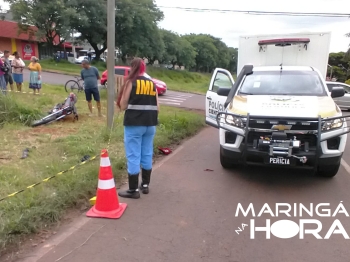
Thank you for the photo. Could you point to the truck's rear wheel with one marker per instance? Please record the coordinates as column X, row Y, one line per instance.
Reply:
column 226, row 162
column 328, row 171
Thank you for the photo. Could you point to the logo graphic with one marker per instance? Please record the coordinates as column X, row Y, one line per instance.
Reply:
column 284, row 99
column 285, row 227
column 281, row 127
column 28, row 49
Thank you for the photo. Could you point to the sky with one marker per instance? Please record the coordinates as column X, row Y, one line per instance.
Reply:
column 229, row 26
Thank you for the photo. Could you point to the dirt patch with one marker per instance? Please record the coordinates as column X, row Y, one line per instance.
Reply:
column 5, row 157
column 54, row 130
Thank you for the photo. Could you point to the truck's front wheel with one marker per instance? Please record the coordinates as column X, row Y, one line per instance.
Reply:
column 328, row 171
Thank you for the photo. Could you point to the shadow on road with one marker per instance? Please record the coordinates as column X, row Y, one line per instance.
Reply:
column 279, row 177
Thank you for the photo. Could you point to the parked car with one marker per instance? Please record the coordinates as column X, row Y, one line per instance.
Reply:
column 344, row 101
column 125, row 70
column 80, row 59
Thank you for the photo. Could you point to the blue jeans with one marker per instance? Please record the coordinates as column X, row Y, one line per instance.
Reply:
column 3, row 84
column 138, row 142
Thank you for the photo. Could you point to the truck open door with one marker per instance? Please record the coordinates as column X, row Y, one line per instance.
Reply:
column 220, row 85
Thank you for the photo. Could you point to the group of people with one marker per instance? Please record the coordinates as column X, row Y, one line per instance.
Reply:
column 140, row 120
column 12, row 72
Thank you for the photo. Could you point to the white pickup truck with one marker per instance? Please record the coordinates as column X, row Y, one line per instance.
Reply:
column 279, row 111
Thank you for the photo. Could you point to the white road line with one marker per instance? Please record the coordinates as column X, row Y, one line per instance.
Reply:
column 169, row 103
column 180, row 96
column 175, row 100
column 345, row 165
column 177, row 97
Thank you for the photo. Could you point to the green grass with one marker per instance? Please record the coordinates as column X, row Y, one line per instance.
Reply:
column 57, row 147
column 65, row 67
column 176, row 80
column 181, row 80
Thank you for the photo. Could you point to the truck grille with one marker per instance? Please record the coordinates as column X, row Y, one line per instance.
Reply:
column 290, row 124
column 310, row 138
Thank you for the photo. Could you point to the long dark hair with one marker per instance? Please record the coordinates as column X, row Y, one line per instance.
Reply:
column 137, row 68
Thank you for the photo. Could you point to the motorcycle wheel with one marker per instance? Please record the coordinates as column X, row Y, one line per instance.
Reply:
column 42, row 121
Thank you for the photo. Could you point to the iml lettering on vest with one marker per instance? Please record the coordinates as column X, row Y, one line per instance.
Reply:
column 145, row 87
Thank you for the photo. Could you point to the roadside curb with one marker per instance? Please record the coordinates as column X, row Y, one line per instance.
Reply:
column 59, row 72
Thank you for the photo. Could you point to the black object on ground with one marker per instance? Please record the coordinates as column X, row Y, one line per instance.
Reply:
column 25, row 153
column 85, row 158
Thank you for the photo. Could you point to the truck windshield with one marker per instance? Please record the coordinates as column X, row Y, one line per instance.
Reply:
column 283, row 83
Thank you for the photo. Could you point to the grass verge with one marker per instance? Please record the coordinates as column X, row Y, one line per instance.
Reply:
column 176, row 80
column 57, row 147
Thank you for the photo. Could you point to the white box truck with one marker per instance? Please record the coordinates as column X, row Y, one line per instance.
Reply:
column 303, row 49
column 279, row 111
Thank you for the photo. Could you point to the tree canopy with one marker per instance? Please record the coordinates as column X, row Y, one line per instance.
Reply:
column 137, row 31
column 50, row 17
column 340, row 65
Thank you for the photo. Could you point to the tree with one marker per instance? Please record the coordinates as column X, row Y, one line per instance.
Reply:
column 171, row 46
column 137, row 33
column 233, row 52
column 206, row 58
column 186, row 53
column 178, row 51
column 336, row 59
column 49, row 16
column 90, row 20
column 340, row 64
column 223, row 59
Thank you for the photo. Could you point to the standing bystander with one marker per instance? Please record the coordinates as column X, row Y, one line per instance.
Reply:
column 2, row 77
column 8, row 74
column 139, row 98
column 89, row 54
column 35, row 75
column 90, row 75
column 17, row 73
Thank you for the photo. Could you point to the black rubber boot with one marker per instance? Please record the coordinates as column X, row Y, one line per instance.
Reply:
column 146, row 179
column 133, row 191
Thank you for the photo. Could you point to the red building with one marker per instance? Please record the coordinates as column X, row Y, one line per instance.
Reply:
column 12, row 38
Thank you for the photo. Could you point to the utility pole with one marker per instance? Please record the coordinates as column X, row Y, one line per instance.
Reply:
column 110, row 61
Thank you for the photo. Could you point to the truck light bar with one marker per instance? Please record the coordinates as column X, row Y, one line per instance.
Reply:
column 284, row 41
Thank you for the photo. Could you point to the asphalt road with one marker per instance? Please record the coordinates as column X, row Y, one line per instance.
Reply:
column 50, row 78
column 171, row 98
column 190, row 215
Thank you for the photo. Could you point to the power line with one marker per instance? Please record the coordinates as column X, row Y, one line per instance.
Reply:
column 254, row 12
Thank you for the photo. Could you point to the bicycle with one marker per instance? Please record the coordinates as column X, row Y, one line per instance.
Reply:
column 74, row 85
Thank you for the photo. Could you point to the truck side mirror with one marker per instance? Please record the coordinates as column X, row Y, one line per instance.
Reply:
column 337, row 91
column 223, row 91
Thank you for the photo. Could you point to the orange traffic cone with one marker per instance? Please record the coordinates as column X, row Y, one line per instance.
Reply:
column 107, row 203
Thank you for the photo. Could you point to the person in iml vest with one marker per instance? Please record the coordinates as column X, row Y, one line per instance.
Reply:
column 139, row 98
